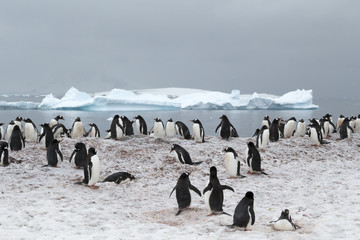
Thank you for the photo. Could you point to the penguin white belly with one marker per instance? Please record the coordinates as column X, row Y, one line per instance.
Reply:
column 231, row 164
column 357, row 125
column 283, row 225
column 119, row 132
column 250, row 218
column 326, row 129
column 92, row 132
column 58, row 132
column 9, row 132
column 339, row 122
column 159, row 130
column 95, row 170
column 264, row 140
column 137, row 125
column 52, row 122
column 314, row 136
column 207, row 199
column 170, row 130
column 265, row 123
column 2, row 159
column 300, row 130
column 2, row 132
column 289, row 129
column 58, row 159
column 352, row 124
column 246, row 155
column 78, row 130
column 30, row 132
column 349, row 132
column 197, row 134
column 176, row 156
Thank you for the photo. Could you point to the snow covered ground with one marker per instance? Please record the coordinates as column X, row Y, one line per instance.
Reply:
column 319, row 185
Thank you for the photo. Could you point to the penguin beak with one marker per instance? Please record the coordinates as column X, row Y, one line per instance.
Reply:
column 171, row 150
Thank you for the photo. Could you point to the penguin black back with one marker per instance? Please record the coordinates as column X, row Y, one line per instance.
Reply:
column 119, row 177
column 183, row 130
column 182, row 155
column 79, row 155
column 17, row 141
column 47, row 133
column 53, row 153
column 141, row 124
column 244, row 211
column 128, row 128
column 4, row 153
column 274, row 130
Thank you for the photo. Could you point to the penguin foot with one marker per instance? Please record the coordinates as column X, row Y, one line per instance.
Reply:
column 251, row 173
column 211, row 214
column 93, row 187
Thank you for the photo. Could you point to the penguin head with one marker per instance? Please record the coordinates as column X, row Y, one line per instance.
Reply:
column 58, row 117
column 251, row 145
column 174, row 147
column 213, row 171
column 292, row 118
column 78, row 119
column 78, row 146
column 19, row 119
column 257, row 131
column 266, row 118
column 157, row 120
column 1, row 123
column 11, row 122
column 27, row 120
column 285, row 214
column 184, row 175
column 223, row 117
column 249, row 195
column 16, row 128
column 170, row 120
column 92, row 151
column 264, row 127
column 195, row 120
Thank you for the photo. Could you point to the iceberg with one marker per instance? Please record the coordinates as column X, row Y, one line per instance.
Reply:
column 167, row 99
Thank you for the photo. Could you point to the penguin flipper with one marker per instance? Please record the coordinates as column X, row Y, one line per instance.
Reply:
column 227, row 187
column 180, row 210
column 172, row 191
column 264, row 173
column 72, row 155
column 196, row 163
column 252, row 213
column 218, row 126
column 208, row 188
column 192, row 187
column 226, row 213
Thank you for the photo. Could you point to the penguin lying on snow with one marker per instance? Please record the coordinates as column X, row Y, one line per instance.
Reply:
column 183, row 195
column 182, row 130
column 119, row 177
column 284, row 223
column 182, row 155
column 244, row 214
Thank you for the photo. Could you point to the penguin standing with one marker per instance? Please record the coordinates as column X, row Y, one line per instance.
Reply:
column 2, row 133
column 345, row 128
column 289, row 127
column 93, row 131
column 315, row 135
column 182, row 130
column 93, row 168
column 170, row 128
column 140, row 125
column 266, row 121
column 284, row 223
column 300, row 130
column 18, row 121
column 213, row 193
column 4, row 153
column 352, row 122
column 182, row 155
column 274, row 130
column 262, row 139
column 77, row 129
column 332, row 127
column 53, row 154
column 55, row 120
column 244, row 214
column 79, row 155
column 226, row 126
column 159, row 130
column 198, row 131
column 59, row 130
column 339, row 122
column 253, row 159
column 183, row 195
column 9, row 130
column 127, row 124
column 357, row 124
column 16, row 141
column 31, row 132
column 119, row 177
column 232, row 164
column 116, row 129
column 47, row 135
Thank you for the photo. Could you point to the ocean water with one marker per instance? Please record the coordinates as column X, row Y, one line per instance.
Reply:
column 245, row 121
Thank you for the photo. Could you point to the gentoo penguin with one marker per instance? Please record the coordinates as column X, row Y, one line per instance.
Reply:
column 140, row 125
column 300, row 128
column 183, row 195
column 119, row 177
column 357, row 124
column 182, row 155
column 253, row 159
column 159, row 130
column 31, row 132
column 16, row 141
column 79, row 155
column 266, row 121
column 93, row 167
column 4, row 153
column 226, row 126
column 274, row 130
column 128, row 128
column 244, row 214
column 55, row 120
column 47, row 135
column 18, row 121
column 281, row 127
column 93, row 131
column 182, row 130
column 262, row 139
column 345, row 128
column 59, row 130
column 198, row 131
column 232, row 164
column 339, row 122
column 9, row 130
column 332, row 127
column 53, row 154
column 289, row 127
column 284, row 223
column 170, row 128
column 77, row 129
column 213, row 193
column 2, row 133
column 352, row 122
column 116, row 129
column 315, row 132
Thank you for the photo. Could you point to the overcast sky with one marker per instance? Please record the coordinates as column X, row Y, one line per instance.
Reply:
column 263, row 46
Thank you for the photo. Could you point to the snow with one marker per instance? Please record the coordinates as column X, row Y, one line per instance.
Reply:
column 168, row 99
column 319, row 185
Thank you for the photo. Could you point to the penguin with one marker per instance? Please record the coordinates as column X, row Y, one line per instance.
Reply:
column 79, row 155
column 53, row 154
column 127, row 124
column 159, row 130
column 182, row 155
column 116, row 129
column 339, row 122
column 31, row 132
column 119, row 177
column 108, row 135
column 183, row 195
column 352, row 122
column 289, row 127
column 55, row 120
column 274, row 130
column 9, row 130
column 281, row 127
column 315, row 132
column 2, row 133
column 93, row 168
column 257, row 132
column 182, row 130
column 284, row 223
column 140, row 125
column 332, row 127
column 16, row 141
column 244, row 214
column 170, row 128
column 300, row 130
column 59, row 130
column 345, row 128
column 4, row 153
column 226, row 126
column 93, row 131
column 198, row 131
column 232, row 164
column 324, row 126
column 213, row 193
column 266, row 121
column 47, row 135
column 77, row 129
column 253, row 159
column 357, row 124
column 234, row 133
column 262, row 139
column 18, row 121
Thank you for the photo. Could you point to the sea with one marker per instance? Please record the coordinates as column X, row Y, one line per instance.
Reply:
column 245, row 121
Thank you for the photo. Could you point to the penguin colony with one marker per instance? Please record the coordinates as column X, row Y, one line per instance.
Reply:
column 244, row 214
